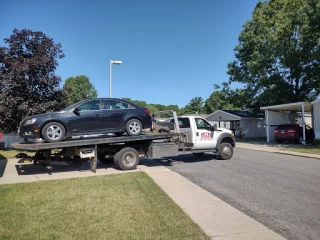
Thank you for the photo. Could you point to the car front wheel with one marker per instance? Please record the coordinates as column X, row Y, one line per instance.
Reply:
column 53, row 132
column 134, row 127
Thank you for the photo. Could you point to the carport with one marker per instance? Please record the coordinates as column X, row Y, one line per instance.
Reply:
column 286, row 113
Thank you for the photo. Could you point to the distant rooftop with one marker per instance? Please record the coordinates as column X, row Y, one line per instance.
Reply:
column 245, row 113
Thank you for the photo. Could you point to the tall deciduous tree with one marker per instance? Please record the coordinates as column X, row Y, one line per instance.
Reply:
column 79, row 88
column 195, row 106
column 28, row 84
column 279, row 53
column 217, row 100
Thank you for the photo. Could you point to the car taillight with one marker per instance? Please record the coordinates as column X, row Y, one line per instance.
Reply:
column 276, row 131
column 147, row 111
column 291, row 131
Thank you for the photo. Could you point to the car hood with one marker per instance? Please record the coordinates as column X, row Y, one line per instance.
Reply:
column 45, row 115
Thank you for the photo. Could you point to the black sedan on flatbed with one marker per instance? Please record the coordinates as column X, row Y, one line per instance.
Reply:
column 88, row 117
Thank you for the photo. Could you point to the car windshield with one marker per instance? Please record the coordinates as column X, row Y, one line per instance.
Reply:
column 73, row 105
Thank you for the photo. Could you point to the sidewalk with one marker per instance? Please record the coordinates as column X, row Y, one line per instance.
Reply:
column 218, row 219
column 274, row 149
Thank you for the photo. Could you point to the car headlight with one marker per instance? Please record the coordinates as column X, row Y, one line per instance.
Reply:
column 30, row 121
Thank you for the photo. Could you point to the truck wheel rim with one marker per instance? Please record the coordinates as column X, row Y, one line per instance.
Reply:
column 54, row 132
column 134, row 127
column 129, row 159
column 226, row 151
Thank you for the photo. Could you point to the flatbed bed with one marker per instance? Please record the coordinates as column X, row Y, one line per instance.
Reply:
column 92, row 141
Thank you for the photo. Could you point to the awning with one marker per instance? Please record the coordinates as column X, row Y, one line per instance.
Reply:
column 294, row 107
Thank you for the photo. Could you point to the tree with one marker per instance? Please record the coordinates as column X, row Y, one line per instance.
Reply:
column 195, row 106
column 277, row 58
column 28, row 84
column 225, row 98
column 217, row 101
column 79, row 88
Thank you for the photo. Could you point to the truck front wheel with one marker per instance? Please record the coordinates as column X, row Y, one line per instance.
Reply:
column 127, row 158
column 225, row 151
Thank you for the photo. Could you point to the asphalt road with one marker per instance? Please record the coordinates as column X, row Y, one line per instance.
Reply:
column 280, row 191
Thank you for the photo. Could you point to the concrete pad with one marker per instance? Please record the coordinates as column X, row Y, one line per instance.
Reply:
column 153, row 168
column 218, row 220
column 261, row 235
column 172, row 182
column 28, row 172
column 12, row 180
column 197, row 198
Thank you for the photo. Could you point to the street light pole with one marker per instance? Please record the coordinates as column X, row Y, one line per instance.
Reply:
column 110, row 91
column 112, row 62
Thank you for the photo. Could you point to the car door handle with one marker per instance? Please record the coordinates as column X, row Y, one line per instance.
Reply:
column 197, row 134
column 98, row 115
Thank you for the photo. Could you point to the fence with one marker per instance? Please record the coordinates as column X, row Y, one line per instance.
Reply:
column 8, row 139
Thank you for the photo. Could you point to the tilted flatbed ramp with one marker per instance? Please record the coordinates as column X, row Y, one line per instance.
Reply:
column 92, row 141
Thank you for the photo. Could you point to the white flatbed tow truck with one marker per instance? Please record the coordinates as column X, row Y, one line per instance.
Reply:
column 190, row 134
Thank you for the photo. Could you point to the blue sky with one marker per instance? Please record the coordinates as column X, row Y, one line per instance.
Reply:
column 172, row 50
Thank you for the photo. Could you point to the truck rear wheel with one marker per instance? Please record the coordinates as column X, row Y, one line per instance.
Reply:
column 127, row 159
column 225, row 151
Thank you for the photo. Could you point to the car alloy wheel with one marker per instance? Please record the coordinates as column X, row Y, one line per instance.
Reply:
column 133, row 127
column 54, row 132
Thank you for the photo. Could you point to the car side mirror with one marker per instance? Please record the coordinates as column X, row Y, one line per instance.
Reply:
column 76, row 110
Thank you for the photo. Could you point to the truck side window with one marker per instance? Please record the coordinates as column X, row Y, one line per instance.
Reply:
column 183, row 122
column 202, row 124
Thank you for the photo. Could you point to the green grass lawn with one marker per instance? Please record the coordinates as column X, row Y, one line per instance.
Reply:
column 123, row 206
column 9, row 154
column 311, row 149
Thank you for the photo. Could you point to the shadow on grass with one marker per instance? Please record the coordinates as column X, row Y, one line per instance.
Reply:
column 3, row 164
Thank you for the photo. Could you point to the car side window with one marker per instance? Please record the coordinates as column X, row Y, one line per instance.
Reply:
column 90, row 106
column 202, row 124
column 115, row 104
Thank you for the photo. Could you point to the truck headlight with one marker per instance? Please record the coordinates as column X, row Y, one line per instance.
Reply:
column 30, row 121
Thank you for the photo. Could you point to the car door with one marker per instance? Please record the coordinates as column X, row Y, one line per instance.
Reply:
column 88, row 119
column 113, row 114
column 203, row 135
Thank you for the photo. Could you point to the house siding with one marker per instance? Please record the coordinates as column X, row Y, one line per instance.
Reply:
column 253, row 128
column 316, row 119
column 10, row 138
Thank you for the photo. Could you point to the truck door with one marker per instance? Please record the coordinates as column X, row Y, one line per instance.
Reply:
column 203, row 135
